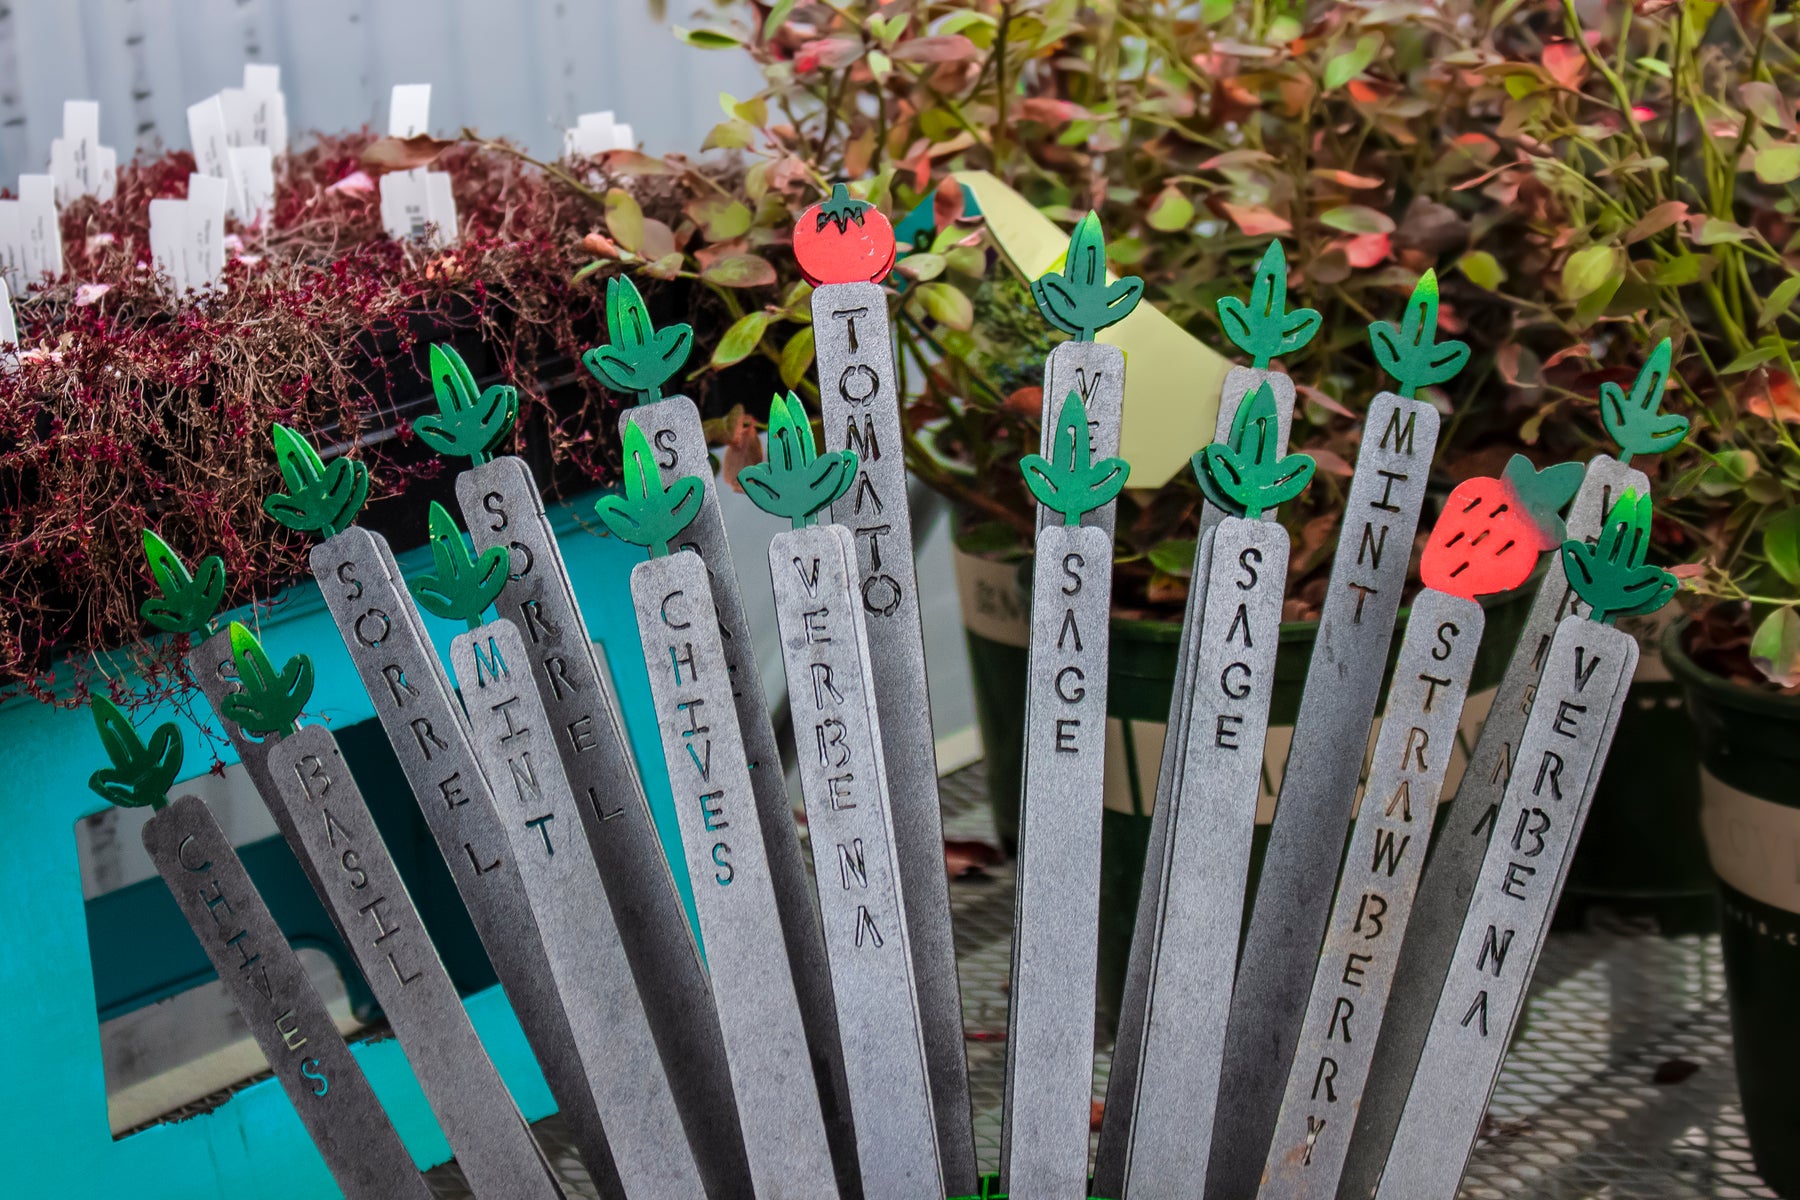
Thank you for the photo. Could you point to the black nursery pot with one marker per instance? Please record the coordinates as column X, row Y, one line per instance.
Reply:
column 1749, row 752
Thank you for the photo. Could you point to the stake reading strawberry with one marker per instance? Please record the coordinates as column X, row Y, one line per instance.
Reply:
column 1492, row 530
column 843, row 240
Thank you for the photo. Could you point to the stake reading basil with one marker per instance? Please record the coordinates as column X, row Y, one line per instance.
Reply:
column 1049, row 1042
column 1331, row 734
column 670, row 492
column 1263, row 324
column 859, row 408
column 1487, row 541
column 1470, row 816
column 1586, row 675
column 1197, row 905
column 256, row 966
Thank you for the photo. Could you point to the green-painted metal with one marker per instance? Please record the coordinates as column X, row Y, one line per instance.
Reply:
column 649, row 514
column 1634, row 420
column 463, row 585
column 1248, row 476
column 252, row 1147
column 189, row 599
column 469, row 423
column 1265, row 329
column 797, row 481
column 320, row 499
column 270, row 701
column 1077, row 299
column 1611, row 575
column 137, row 774
column 1412, row 354
column 1070, row 482
column 638, row 357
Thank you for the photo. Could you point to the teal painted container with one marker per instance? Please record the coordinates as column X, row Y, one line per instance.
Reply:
column 251, row 1147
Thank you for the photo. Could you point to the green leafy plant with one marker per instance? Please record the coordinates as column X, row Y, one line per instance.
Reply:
column 320, row 499
column 1246, row 477
column 1264, row 329
column 638, row 357
column 1077, row 299
column 463, row 585
column 266, row 701
column 1412, row 354
column 649, row 514
column 140, row 774
column 1610, row 575
column 796, row 481
column 467, row 424
column 188, row 601
column 1072, row 483
column 1633, row 421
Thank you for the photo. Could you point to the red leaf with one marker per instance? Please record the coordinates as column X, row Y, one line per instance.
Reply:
column 1236, row 158
column 1256, row 222
column 743, row 447
column 1365, row 250
column 1315, row 396
column 1331, row 462
column 1670, row 212
column 1047, row 110
column 1565, row 63
column 966, row 859
column 1566, row 353
column 829, row 53
column 1346, row 179
column 947, row 48
column 403, row 154
column 947, row 203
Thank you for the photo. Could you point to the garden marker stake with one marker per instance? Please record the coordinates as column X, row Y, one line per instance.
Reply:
column 1449, row 882
column 546, row 947
column 1331, row 735
column 1056, row 912
column 307, row 787
column 754, row 982
column 669, row 441
column 500, row 501
column 1263, row 329
column 1487, row 541
column 256, row 966
column 845, row 247
column 1586, row 674
column 1199, row 899
column 826, row 649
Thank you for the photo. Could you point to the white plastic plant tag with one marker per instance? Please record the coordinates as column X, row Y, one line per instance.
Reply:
column 404, row 208
column 440, row 208
column 268, row 107
column 9, row 333
column 80, row 165
column 168, row 242
column 205, row 244
column 39, row 233
column 409, row 112
column 253, row 167
column 209, row 133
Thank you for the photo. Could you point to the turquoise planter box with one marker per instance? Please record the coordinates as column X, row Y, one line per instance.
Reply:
column 53, row 1118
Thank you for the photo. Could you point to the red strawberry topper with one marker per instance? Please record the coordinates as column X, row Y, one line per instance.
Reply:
column 1491, row 531
column 842, row 240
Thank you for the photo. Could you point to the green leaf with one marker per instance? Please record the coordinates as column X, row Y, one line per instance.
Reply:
column 1078, row 299
column 639, row 357
column 1174, row 556
column 1775, row 647
column 139, row 774
column 648, row 514
column 266, row 702
column 462, row 585
column 466, row 425
column 1171, row 211
column 740, row 271
column 1073, row 484
column 319, row 499
column 1610, row 575
column 1780, row 301
column 1412, row 354
column 1754, row 357
column 796, row 481
column 1587, row 269
column 797, row 356
column 708, row 39
column 778, row 16
column 1781, row 545
column 625, row 219
column 1264, row 329
column 1778, row 163
column 1356, row 218
column 188, row 601
column 1342, row 68
column 720, row 217
column 1247, row 476
column 1678, row 271
column 947, row 305
column 741, row 340
column 1482, row 269
column 1635, row 421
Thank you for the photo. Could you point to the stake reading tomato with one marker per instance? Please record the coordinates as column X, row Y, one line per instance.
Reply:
column 842, row 240
column 1492, row 530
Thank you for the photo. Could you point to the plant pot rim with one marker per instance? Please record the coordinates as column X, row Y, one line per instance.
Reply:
column 1717, row 688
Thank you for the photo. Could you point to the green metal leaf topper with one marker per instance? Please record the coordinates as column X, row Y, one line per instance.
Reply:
column 139, row 775
column 1247, row 477
column 638, row 357
column 1072, row 483
column 320, row 499
column 649, row 514
column 1633, row 421
column 463, row 584
column 268, row 702
column 1264, row 329
column 796, row 481
column 1412, row 354
column 1611, row 576
column 1077, row 299
column 467, row 424
column 188, row 601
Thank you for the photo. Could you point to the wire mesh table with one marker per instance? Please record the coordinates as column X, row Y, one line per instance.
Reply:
column 1621, row 1087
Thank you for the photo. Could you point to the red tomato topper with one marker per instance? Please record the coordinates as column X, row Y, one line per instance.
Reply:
column 842, row 240
column 1491, row 531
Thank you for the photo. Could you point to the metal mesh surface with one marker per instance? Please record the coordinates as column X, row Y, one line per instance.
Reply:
column 1621, row 1087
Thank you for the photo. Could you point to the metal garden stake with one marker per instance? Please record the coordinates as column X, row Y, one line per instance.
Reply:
column 1487, row 541
column 849, row 247
column 1331, row 734
column 1586, row 674
column 258, row 969
column 640, row 358
column 1264, row 329
column 1455, row 861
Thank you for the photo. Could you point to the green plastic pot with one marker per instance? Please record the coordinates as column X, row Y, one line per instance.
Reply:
column 1140, row 684
column 1749, row 779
